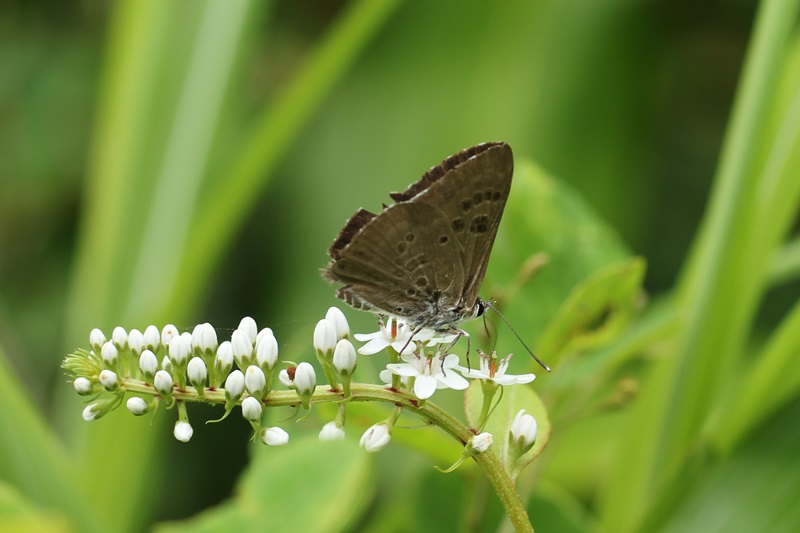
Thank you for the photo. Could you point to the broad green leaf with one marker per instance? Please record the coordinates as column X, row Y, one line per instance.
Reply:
column 595, row 312
column 277, row 490
column 514, row 398
column 18, row 515
column 548, row 242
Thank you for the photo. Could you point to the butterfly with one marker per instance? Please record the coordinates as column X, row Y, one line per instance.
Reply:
column 423, row 258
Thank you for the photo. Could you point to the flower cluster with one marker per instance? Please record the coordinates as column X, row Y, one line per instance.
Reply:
column 164, row 367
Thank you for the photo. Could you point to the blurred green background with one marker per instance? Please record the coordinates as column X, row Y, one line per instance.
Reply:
column 191, row 161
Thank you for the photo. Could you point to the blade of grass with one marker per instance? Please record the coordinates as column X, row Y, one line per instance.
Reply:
column 681, row 392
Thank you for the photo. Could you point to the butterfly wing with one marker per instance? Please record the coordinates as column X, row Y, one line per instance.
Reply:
column 470, row 189
column 403, row 261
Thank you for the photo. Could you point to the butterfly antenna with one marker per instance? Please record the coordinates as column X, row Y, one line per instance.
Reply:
column 542, row 363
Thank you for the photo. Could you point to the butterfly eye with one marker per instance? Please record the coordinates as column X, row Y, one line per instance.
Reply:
column 481, row 308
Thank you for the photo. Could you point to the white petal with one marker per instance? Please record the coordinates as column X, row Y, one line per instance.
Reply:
column 453, row 381
column 403, row 369
column 424, row 386
column 373, row 346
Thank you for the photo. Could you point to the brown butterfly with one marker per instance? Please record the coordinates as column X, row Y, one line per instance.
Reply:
column 423, row 259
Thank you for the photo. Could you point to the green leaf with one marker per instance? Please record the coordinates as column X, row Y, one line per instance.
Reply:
column 544, row 220
column 281, row 483
column 596, row 311
column 514, row 398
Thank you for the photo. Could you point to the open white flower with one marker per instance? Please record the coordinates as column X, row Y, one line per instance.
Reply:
column 396, row 333
column 429, row 373
column 492, row 371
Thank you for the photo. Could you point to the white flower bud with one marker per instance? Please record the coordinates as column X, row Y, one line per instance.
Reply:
column 339, row 322
column 255, row 381
column 376, row 438
column 204, row 338
column 92, row 412
column 251, row 409
column 148, row 364
column 136, row 341
column 331, row 431
column 274, row 436
column 223, row 361
column 234, row 385
column 248, row 326
column 109, row 379
column 120, row 338
column 179, row 350
column 305, row 379
column 166, row 364
column 152, row 337
column 242, row 348
column 83, row 386
column 183, row 431
column 481, row 442
column 266, row 350
column 344, row 357
column 197, row 372
column 163, row 383
column 137, row 406
column 109, row 354
column 523, row 431
column 187, row 338
column 168, row 333
column 324, row 338
column 96, row 340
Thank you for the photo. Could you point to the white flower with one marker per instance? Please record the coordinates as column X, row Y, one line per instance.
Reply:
column 251, row 409
column 286, row 378
column 166, row 364
column 179, row 350
column 109, row 379
column 523, row 430
column 339, row 322
column 163, row 382
column 83, row 386
column 344, row 357
column 168, row 333
column 234, row 385
column 255, row 381
column 376, row 438
column 148, row 364
column 242, row 348
column 137, row 405
column 119, row 337
column 324, row 337
column 274, row 436
column 331, row 431
column 305, row 379
column 490, row 370
column 109, row 354
column 205, row 338
column 248, row 326
column 152, row 337
column 266, row 349
column 430, row 374
column 136, row 341
column 396, row 333
column 183, row 431
column 197, row 372
column 96, row 339
column 481, row 442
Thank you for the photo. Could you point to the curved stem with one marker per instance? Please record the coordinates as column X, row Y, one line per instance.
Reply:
column 361, row 392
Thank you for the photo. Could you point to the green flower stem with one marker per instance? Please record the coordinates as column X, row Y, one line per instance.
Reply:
column 361, row 392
